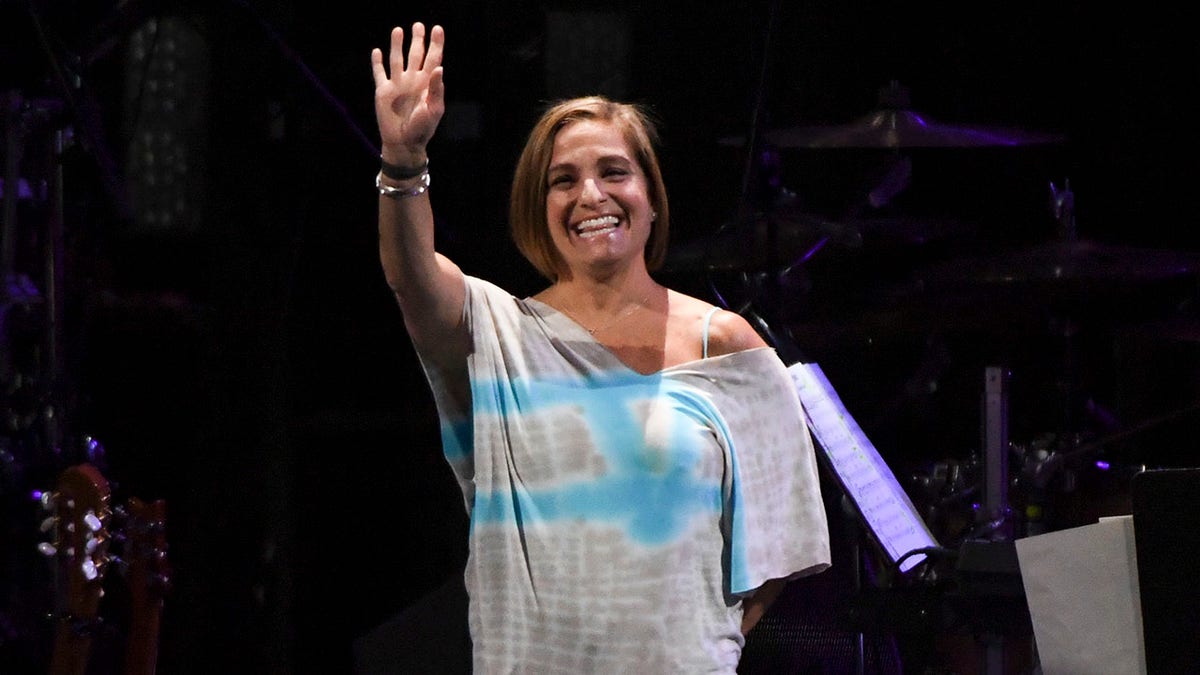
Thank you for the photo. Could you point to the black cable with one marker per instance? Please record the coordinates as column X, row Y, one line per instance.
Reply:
column 311, row 77
column 928, row 551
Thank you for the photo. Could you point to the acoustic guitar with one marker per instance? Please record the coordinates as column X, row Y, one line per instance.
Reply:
column 80, row 510
column 90, row 539
column 148, row 578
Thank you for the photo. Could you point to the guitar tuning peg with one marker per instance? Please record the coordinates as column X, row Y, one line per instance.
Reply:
column 161, row 583
column 48, row 524
column 47, row 549
column 91, row 546
column 93, row 522
column 90, row 572
column 94, row 450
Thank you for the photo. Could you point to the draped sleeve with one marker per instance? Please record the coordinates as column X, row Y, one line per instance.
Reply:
column 774, row 515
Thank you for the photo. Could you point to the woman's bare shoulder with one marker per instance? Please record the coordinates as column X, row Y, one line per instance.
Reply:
column 728, row 332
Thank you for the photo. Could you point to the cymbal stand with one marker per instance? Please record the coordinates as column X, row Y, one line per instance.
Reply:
column 1062, row 203
column 53, row 254
column 757, row 156
column 1063, row 207
column 994, row 510
column 31, row 364
column 994, row 516
column 13, row 291
column 23, row 118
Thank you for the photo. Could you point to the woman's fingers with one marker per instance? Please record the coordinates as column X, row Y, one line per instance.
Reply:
column 377, row 70
column 416, row 50
column 437, row 91
column 396, row 52
column 417, row 59
column 437, row 41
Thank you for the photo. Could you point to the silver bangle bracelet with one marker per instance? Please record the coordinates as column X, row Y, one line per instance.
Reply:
column 400, row 193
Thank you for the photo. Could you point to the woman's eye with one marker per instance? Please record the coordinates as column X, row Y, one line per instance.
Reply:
column 560, row 180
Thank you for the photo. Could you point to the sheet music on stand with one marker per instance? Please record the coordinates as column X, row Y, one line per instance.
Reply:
column 870, row 484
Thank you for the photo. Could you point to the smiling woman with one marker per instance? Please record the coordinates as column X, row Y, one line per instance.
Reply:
column 597, row 211
column 560, row 148
column 634, row 460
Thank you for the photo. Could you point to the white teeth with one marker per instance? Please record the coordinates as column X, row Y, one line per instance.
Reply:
column 594, row 226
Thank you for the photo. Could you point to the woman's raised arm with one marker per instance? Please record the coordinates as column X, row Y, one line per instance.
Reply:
column 409, row 102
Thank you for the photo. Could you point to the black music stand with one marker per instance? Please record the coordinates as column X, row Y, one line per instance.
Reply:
column 870, row 491
column 1166, row 524
column 882, row 505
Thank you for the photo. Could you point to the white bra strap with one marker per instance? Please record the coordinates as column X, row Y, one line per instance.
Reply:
column 707, row 320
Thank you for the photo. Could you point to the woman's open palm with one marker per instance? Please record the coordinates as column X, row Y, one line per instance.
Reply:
column 409, row 93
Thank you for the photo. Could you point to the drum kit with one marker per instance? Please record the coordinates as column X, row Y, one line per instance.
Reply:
column 981, row 366
column 1022, row 306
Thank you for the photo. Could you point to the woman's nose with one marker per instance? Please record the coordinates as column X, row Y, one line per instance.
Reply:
column 592, row 192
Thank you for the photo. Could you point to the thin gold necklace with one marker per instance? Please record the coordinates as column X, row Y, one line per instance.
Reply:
column 615, row 318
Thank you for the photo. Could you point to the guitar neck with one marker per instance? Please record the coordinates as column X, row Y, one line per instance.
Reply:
column 141, row 649
column 72, row 648
column 80, row 505
column 82, row 514
column 148, row 579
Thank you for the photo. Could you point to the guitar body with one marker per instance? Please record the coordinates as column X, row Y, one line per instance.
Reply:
column 81, row 506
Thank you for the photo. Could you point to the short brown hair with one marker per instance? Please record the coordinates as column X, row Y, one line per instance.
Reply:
column 527, row 205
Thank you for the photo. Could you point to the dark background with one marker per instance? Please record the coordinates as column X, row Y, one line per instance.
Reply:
column 241, row 356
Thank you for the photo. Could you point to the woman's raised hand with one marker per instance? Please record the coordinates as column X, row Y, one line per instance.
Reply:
column 409, row 96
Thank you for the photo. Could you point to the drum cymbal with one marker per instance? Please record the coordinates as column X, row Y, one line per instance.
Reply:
column 1073, row 279
column 894, row 124
column 898, row 128
column 1078, row 262
column 744, row 247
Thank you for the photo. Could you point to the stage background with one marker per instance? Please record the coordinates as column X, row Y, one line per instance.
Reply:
column 229, row 338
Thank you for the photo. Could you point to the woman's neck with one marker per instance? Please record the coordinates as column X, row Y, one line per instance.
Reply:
column 601, row 294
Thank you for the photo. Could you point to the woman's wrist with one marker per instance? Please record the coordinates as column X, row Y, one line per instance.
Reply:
column 410, row 185
column 408, row 158
column 403, row 172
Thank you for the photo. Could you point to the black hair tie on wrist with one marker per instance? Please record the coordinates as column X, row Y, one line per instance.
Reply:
column 402, row 172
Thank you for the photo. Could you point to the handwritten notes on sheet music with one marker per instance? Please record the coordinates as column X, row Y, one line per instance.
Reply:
column 863, row 473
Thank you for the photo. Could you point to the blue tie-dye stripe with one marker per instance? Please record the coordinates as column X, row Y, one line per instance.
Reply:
column 652, row 500
column 739, row 566
column 458, row 439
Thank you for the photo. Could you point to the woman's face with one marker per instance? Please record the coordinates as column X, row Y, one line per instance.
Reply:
column 597, row 202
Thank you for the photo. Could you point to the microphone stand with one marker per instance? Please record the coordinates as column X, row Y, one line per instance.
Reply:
column 747, row 199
